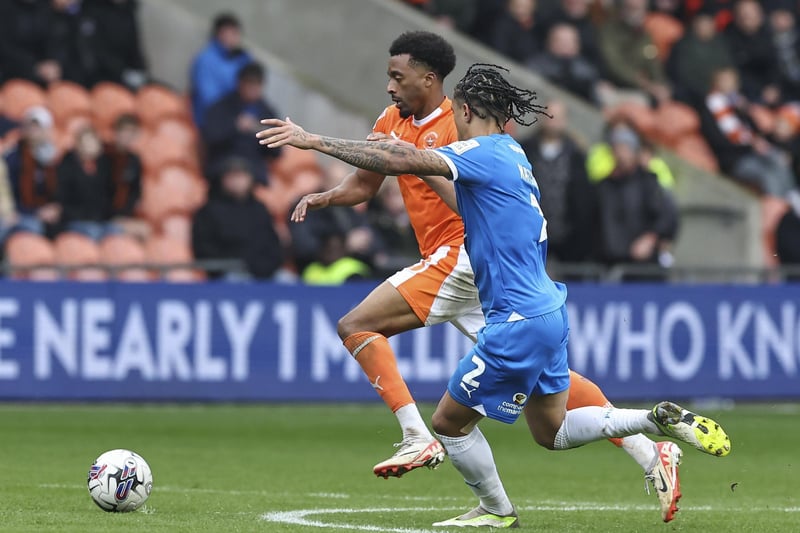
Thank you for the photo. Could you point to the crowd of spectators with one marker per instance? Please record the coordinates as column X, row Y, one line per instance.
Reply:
column 186, row 173
column 105, row 164
column 731, row 68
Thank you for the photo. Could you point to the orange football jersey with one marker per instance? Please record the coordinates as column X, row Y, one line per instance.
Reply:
column 434, row 223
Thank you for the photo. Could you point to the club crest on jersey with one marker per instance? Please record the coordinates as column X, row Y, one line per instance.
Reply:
column 520, row 398
column 430, row 139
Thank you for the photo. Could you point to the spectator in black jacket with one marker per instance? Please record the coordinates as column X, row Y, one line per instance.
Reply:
column 85, row 188
column 750, row 43
column 116, row 42
column 231, row 124
column 71, row 41
column 786, row 43
column 233, row 224
column 562, row 63
column 24, row 38
column 576, row 13
column 637, row 218
column 513, row 32
column 126, row 176
column 567, row 199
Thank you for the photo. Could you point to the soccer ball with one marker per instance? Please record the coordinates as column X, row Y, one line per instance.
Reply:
column 120, row 481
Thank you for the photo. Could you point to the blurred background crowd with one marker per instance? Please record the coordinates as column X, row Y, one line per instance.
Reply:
column 109, row 173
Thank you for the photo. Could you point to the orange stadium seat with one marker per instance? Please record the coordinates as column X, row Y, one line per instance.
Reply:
column 174, row 189
column 294, row 160
column 66, row 100
column 675, row 120
column 155, row 103
column 30, row 250
column 19, row 95
column 109, row 101
column 695, row 149
column 638, row 114
column 165, row 251
column 179, row 130
column 124, row 250
column 159, row 151
column 76, row 250
column 177, row 227
column 665, row 30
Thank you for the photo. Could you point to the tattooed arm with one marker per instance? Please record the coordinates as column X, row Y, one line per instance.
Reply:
column 384, row 157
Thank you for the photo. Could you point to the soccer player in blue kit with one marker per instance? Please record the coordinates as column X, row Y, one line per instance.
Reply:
column 519, row 364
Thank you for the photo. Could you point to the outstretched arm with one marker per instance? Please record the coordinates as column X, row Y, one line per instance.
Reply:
column 384, row 157
column 357, row 187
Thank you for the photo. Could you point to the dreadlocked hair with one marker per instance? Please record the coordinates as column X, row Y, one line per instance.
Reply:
column 487, row 93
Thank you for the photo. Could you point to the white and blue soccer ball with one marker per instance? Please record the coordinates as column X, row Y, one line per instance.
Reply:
column 120, row 481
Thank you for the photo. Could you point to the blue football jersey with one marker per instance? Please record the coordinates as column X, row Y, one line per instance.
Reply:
column 505, row 231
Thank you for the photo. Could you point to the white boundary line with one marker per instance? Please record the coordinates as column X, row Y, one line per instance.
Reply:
column 298, row 518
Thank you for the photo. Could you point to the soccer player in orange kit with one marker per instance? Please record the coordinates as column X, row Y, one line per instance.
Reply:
column 440, row 288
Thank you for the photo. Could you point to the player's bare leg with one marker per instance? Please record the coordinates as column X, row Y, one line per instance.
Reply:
column 658, row 460
column 364, row 331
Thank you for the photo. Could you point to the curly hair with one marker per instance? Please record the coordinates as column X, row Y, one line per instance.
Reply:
column 487, row 93
column 427, row 49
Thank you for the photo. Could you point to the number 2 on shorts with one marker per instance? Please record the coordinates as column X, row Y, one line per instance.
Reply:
column 468, row 380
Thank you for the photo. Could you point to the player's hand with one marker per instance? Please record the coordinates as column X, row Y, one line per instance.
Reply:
column 377, row 136
column 309, row 202
column 282, row 132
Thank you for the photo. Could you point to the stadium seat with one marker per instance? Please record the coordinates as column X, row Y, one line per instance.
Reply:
column 124, row 250
column 19, row 95
column 673, row 121
column 638, row 114
column 161, row 151
column 293, row 160
column 31, row 250
column 76, row 250
column 66, row 100
column 166, row 251
column 179, row 130
column 155, row 103
column 174, row 189
column 177, row 227
column 665, row 31
column 695, row 149
column 109, row 101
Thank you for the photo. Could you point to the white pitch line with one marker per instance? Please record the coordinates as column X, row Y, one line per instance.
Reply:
column 298, row 518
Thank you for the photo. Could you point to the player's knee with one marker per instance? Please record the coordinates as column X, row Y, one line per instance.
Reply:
column 441, row 425
column 348, row 325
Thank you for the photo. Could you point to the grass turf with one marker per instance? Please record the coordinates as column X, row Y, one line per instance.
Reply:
column 253, row 468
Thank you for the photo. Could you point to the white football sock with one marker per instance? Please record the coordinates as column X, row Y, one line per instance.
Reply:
column 588, row 424
column 411, row 422
column 642, row 449
column 472, row 457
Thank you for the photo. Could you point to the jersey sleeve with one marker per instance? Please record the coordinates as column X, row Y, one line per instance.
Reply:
column 469, row 161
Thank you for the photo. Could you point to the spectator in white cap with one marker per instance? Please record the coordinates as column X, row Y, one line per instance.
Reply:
column 32, row 173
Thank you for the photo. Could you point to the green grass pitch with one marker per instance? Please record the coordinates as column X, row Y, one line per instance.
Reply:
column 281, row 468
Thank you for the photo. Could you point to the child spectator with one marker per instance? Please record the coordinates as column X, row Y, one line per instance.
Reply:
column 85, row 187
